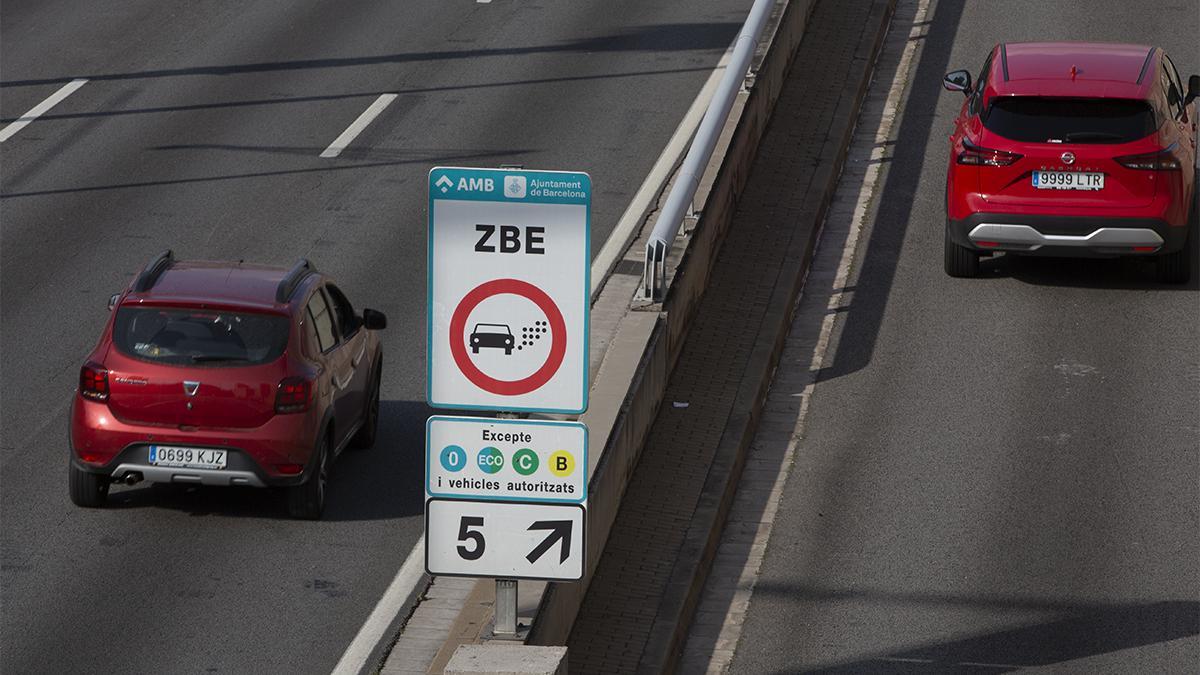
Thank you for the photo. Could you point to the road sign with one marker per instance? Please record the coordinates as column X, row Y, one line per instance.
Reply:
column 506, row 460
column 513, row 540
column 509, row 284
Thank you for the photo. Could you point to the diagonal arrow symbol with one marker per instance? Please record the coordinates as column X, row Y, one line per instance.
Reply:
column 559, row 529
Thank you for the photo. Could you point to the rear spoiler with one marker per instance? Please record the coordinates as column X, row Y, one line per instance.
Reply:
column 153, row 270
column 291, row 281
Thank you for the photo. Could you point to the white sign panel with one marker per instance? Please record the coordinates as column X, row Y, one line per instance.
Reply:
column 509, row 266
column 510, row 540
column 506, row 460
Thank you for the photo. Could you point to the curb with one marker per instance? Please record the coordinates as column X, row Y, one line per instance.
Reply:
column 669, row 633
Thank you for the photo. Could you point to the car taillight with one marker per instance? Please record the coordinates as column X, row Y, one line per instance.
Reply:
column 293, row 395
column 93, row 381
column 979, row 156
column 1162, row 160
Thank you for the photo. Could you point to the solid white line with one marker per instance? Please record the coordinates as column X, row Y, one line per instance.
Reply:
column 40, row 109
column 639, row 207
column 354, row 659
column 339, row 144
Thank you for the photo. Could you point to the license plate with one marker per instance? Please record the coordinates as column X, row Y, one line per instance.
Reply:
column 1067, row 180
column 187, row 458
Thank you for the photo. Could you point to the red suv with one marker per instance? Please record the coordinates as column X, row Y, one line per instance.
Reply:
column 1072, row 149
column 213, row 373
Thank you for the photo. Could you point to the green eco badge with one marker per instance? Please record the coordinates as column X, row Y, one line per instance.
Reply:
column 525, row 461
column 490, row 460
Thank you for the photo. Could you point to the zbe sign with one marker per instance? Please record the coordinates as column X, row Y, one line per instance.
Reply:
column 509, row 283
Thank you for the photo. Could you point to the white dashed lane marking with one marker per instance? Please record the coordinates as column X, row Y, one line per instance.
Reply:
column 40, row 109
column 347, row 137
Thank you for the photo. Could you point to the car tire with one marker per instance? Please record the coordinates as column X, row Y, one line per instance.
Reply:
column 365, row 436
column 960, row 262
column 306, row 501
column 89, row 490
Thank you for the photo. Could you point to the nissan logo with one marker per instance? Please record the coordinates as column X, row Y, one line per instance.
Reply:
column 1068, row 158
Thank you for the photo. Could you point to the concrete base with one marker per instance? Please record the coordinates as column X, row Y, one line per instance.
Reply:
column 494, row 659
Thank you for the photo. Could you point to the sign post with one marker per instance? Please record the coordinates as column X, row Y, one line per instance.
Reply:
column 507, row 330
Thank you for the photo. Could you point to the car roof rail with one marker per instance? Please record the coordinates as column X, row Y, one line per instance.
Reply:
column 150, row 274
column 292, row 280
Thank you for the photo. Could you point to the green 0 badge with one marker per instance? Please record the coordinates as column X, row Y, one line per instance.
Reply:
column 525, row 461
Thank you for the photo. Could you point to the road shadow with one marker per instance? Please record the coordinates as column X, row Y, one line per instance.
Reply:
column 419, row 158
column 667, row 37
column 896, row 196
column 1084, row 631
column 381, row 483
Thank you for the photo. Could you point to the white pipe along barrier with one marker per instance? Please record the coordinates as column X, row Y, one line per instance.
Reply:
column 666, row 227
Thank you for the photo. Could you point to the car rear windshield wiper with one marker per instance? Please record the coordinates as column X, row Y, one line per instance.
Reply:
column 202, row 358
column 1076, row 136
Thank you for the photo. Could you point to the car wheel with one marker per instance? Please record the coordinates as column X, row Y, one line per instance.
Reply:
column 306, row 501
column 960, row 261
column 89, row 490
column 365, row 437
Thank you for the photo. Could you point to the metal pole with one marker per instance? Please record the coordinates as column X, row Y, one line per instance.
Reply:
column 506, row 589
column 506, row 607
column 703, row 144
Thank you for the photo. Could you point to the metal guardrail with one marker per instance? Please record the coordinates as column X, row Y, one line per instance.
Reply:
column 679, row 201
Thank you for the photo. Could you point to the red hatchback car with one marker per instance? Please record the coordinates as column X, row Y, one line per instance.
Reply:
column 213, row 373
column 1073, row 149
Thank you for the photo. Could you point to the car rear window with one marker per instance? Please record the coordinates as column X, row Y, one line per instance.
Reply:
column 1060, row 120
column 190, row 336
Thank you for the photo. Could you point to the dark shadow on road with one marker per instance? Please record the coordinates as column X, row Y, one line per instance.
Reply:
column 1083, row 631
column 381, row 483
column 431, row 159
column 337, row 97
column 702, row 36
column 896, row 198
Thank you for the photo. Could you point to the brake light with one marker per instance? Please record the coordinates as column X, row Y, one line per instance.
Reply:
column 979, row 156
column 93, row 381
column 1162, row 160
column 293, row 395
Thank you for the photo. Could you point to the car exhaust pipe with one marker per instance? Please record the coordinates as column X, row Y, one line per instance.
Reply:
column 132, row 478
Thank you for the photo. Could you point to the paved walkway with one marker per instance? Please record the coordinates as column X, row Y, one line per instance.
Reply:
column 612, row 631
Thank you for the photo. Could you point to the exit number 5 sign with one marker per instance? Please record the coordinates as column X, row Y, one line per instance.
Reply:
column 509, row 284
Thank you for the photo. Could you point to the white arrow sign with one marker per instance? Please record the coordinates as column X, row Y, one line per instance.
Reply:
column 504, row 539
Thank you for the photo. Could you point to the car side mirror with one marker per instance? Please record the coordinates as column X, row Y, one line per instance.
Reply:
column 1193, row 89
column 112, row 300
column 958, row 80
column 374, row 319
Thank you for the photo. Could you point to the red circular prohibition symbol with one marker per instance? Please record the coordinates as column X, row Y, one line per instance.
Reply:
column 558, row 337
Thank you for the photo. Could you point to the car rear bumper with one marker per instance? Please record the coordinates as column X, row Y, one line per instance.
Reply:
column 1067, row 235
column 263, row 456
column 239, row 470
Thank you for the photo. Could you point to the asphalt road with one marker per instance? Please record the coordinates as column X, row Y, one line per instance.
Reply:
column 199, row 129
column 995, row 472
